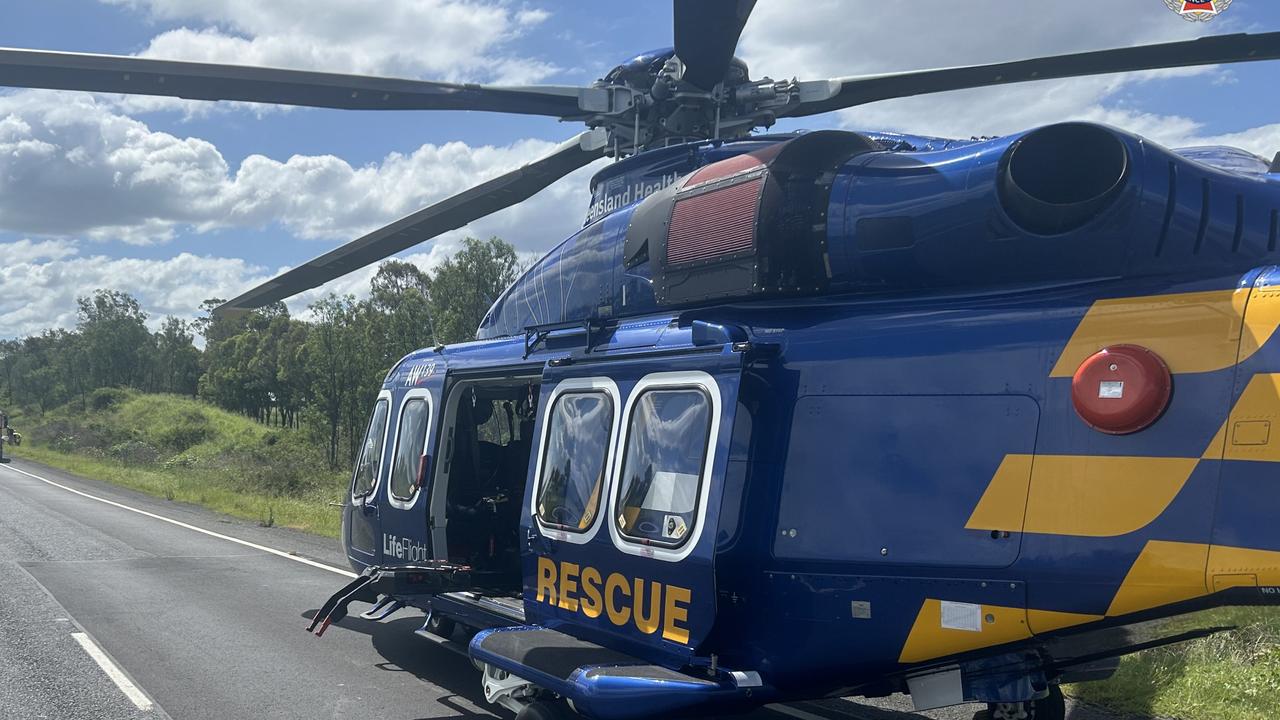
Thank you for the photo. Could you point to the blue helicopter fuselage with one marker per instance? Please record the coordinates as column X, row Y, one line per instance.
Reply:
column 897, row 482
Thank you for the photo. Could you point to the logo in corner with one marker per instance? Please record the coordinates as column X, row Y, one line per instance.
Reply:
column 1198, row 10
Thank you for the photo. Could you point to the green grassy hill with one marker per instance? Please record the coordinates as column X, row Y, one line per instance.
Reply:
column 186, row 450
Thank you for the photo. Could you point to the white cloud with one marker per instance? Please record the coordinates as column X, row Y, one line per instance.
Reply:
column 453, row 40
column 827, row 40
column 78, row 172
column 68, row 166
column 1262, row 141
column 74, row 170
column 73, row 166
column 29, row 251
column 39, row 283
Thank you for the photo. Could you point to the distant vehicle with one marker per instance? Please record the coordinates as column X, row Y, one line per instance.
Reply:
column 815, row 414
column 7, row 435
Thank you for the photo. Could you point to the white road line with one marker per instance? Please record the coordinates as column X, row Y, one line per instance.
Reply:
column 171, row 521
column 113, row 671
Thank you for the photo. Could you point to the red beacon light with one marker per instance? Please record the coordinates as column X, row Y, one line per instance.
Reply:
column 1121, row 389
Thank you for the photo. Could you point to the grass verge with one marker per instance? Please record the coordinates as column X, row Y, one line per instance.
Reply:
column 1230, row 676
column 311, row 515
column 185, row 450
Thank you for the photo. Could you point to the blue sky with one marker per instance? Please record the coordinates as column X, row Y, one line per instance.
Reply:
column 177, row 201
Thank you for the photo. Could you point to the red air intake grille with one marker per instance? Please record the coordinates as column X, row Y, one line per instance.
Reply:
column 720, row 222
column 724, row 169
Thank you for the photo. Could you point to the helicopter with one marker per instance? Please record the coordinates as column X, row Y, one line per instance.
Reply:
column 813, row 414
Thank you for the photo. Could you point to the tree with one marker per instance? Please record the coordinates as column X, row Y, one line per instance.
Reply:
column 465, row 285
column 177, row 361
column 266, row 364
column 252, row 363
column 329, row 353
column 400, row 310
column 116, row 340
column 216, row 328
column 69, row 360
column 293, row 375
column 39, row 373
column 10, row 352
column 396, row 278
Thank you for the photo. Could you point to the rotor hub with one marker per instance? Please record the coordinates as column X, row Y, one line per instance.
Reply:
column 651, row 104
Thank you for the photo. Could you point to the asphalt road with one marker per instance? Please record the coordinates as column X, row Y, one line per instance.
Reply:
column 194, row 626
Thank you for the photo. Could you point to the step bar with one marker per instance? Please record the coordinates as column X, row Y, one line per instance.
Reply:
column 599, row 682
column 384, row 588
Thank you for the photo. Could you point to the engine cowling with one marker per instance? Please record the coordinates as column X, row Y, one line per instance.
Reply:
column 751, row 224
column 835, row 212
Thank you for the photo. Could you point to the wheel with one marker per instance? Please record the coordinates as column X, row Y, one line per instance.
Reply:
column 542, row 710
column 1052, row 707
column 438, row 624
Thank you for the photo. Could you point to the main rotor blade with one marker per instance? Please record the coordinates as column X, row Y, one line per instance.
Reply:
column 707, row 33
column 827, row 95
column 449, row 214
column 208, row 81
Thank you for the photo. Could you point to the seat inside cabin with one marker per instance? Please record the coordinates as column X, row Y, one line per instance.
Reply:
column 486, row 467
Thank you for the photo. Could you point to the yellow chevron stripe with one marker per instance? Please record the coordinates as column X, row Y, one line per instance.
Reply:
column 1004, row 504
column 929, row 639
column 1252, row 430
column 1192, row 332
column 1046, row 621
column 1170, row 572
column 1164, row 573
column 1260, row 321
column 1080, row 495
column 1260, row 567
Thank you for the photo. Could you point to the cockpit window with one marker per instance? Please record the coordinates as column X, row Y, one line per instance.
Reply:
column 410, row 439
column 366, row 475
column 574, row 460
column 662, row 468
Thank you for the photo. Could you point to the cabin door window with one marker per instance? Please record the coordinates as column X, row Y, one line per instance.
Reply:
column 409, row 462
column 577, row 444
column 362, row 522
column 367, row 465
column 660, row 485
